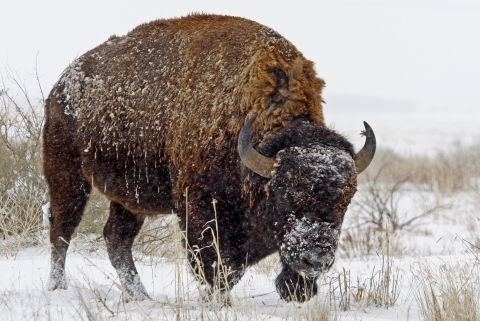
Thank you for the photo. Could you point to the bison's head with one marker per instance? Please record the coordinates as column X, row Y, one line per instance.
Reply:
column 312, row 179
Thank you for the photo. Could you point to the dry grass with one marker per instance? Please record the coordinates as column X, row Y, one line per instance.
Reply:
column 269, row 266
column 444, row 173
column 360, row 242
column 95, row 215
column 381, row 288
column 317, row 310
column 449, row 292
column 153, row 242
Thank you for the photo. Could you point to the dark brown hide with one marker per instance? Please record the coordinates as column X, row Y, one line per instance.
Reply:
column 146, row 117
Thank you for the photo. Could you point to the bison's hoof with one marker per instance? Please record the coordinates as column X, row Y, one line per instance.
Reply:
column 57, row 281
column 133, row 287
column 137, row 296
column 291, row 286
column 215, row 298
column 219, row 300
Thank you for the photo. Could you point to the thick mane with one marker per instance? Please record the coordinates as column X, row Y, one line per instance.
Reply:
column 203, row 75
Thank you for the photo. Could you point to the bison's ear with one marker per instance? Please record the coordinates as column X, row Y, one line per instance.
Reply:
column 255, row 161
column 365, row 155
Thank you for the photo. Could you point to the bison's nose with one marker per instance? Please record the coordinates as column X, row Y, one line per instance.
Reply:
column 316, row 263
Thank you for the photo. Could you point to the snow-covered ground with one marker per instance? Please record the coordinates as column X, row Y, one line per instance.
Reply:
column 94, row 293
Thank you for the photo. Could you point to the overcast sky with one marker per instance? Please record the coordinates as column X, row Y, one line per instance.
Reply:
column 414, row 54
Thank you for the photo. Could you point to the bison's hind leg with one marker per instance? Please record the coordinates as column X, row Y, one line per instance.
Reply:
column 291, row 286
column 68, row 188
column 67, row 200
column 68, row 197
column 119, row 232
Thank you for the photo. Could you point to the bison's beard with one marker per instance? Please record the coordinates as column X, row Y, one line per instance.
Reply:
column 309, row 247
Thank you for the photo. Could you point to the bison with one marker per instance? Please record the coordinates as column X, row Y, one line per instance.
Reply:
column 182, row 113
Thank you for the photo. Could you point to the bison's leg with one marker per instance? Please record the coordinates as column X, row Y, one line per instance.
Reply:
column 67, row 204
column 219, row 278
column 291, row 286
column 68, row 190
column 119, row 232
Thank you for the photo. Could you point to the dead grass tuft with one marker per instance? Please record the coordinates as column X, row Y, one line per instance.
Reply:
column 381, row 288
column 449, row 292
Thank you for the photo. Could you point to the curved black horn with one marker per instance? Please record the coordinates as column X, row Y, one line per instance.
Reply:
column 255, row 161
column 365, row 155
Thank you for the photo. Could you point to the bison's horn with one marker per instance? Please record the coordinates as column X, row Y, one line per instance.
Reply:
column 255, row 161
column 365, row 155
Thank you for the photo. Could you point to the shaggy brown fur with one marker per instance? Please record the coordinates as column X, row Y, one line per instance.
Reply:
column 147, row 116
column 202, row 76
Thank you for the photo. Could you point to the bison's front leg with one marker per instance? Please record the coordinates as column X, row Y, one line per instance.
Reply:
column 119, row 232
column 218, row 276
column 291, row 286
column 214, row 261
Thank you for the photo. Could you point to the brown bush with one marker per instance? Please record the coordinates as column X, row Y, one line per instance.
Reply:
column 445, row 172
column 360, row 242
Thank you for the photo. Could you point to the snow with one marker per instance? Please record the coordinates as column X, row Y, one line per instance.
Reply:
column 46, row 214
column 94, row 285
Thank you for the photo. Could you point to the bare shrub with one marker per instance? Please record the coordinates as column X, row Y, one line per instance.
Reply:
column 156, row 237
column 378, row 202
column 387, row 202
column 401, row 193
column 20, row 222
column 397, row 195
column 21, row 122
column 22, row 187
column 360, row 242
